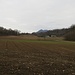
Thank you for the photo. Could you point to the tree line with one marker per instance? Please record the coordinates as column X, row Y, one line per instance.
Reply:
column 70, row 36
column 67, row 33
column 7, row 32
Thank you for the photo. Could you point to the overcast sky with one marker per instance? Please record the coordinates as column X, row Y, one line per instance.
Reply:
column 32, row 15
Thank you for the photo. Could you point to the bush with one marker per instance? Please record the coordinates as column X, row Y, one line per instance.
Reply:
column 70, row 36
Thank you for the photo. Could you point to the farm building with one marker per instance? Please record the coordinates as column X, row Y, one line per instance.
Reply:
column 53, row 35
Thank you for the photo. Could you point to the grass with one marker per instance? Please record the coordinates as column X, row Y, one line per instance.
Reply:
column 36, row 57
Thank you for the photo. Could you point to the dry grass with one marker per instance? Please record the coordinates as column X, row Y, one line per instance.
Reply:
column 30, row 37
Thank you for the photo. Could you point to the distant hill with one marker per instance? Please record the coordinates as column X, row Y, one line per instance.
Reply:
column 57, row 32
column 41, row 31
column 67, row 33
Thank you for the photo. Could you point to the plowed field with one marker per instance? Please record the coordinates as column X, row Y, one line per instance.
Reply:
column 22, row 57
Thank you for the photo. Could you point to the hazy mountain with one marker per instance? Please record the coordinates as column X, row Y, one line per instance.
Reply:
column 42, row 31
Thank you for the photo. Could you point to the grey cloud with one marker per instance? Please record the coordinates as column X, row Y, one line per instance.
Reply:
column 31, row 15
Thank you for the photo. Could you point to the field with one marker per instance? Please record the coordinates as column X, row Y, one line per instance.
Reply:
column 30, row 56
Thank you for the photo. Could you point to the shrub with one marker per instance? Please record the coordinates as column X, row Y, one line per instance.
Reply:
column 70, row 36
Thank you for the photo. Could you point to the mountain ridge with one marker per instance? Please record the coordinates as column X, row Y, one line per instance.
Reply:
column 41, row 31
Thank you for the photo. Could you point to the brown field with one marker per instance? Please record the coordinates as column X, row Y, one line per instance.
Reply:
column 21, row 56
column 29, row 37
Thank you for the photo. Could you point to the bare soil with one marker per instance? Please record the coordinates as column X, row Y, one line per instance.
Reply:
column 21, row 57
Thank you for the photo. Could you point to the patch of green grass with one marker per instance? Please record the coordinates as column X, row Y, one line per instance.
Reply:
column 41, row 41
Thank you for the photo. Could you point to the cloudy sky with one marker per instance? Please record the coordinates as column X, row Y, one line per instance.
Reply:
column 32, row 15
